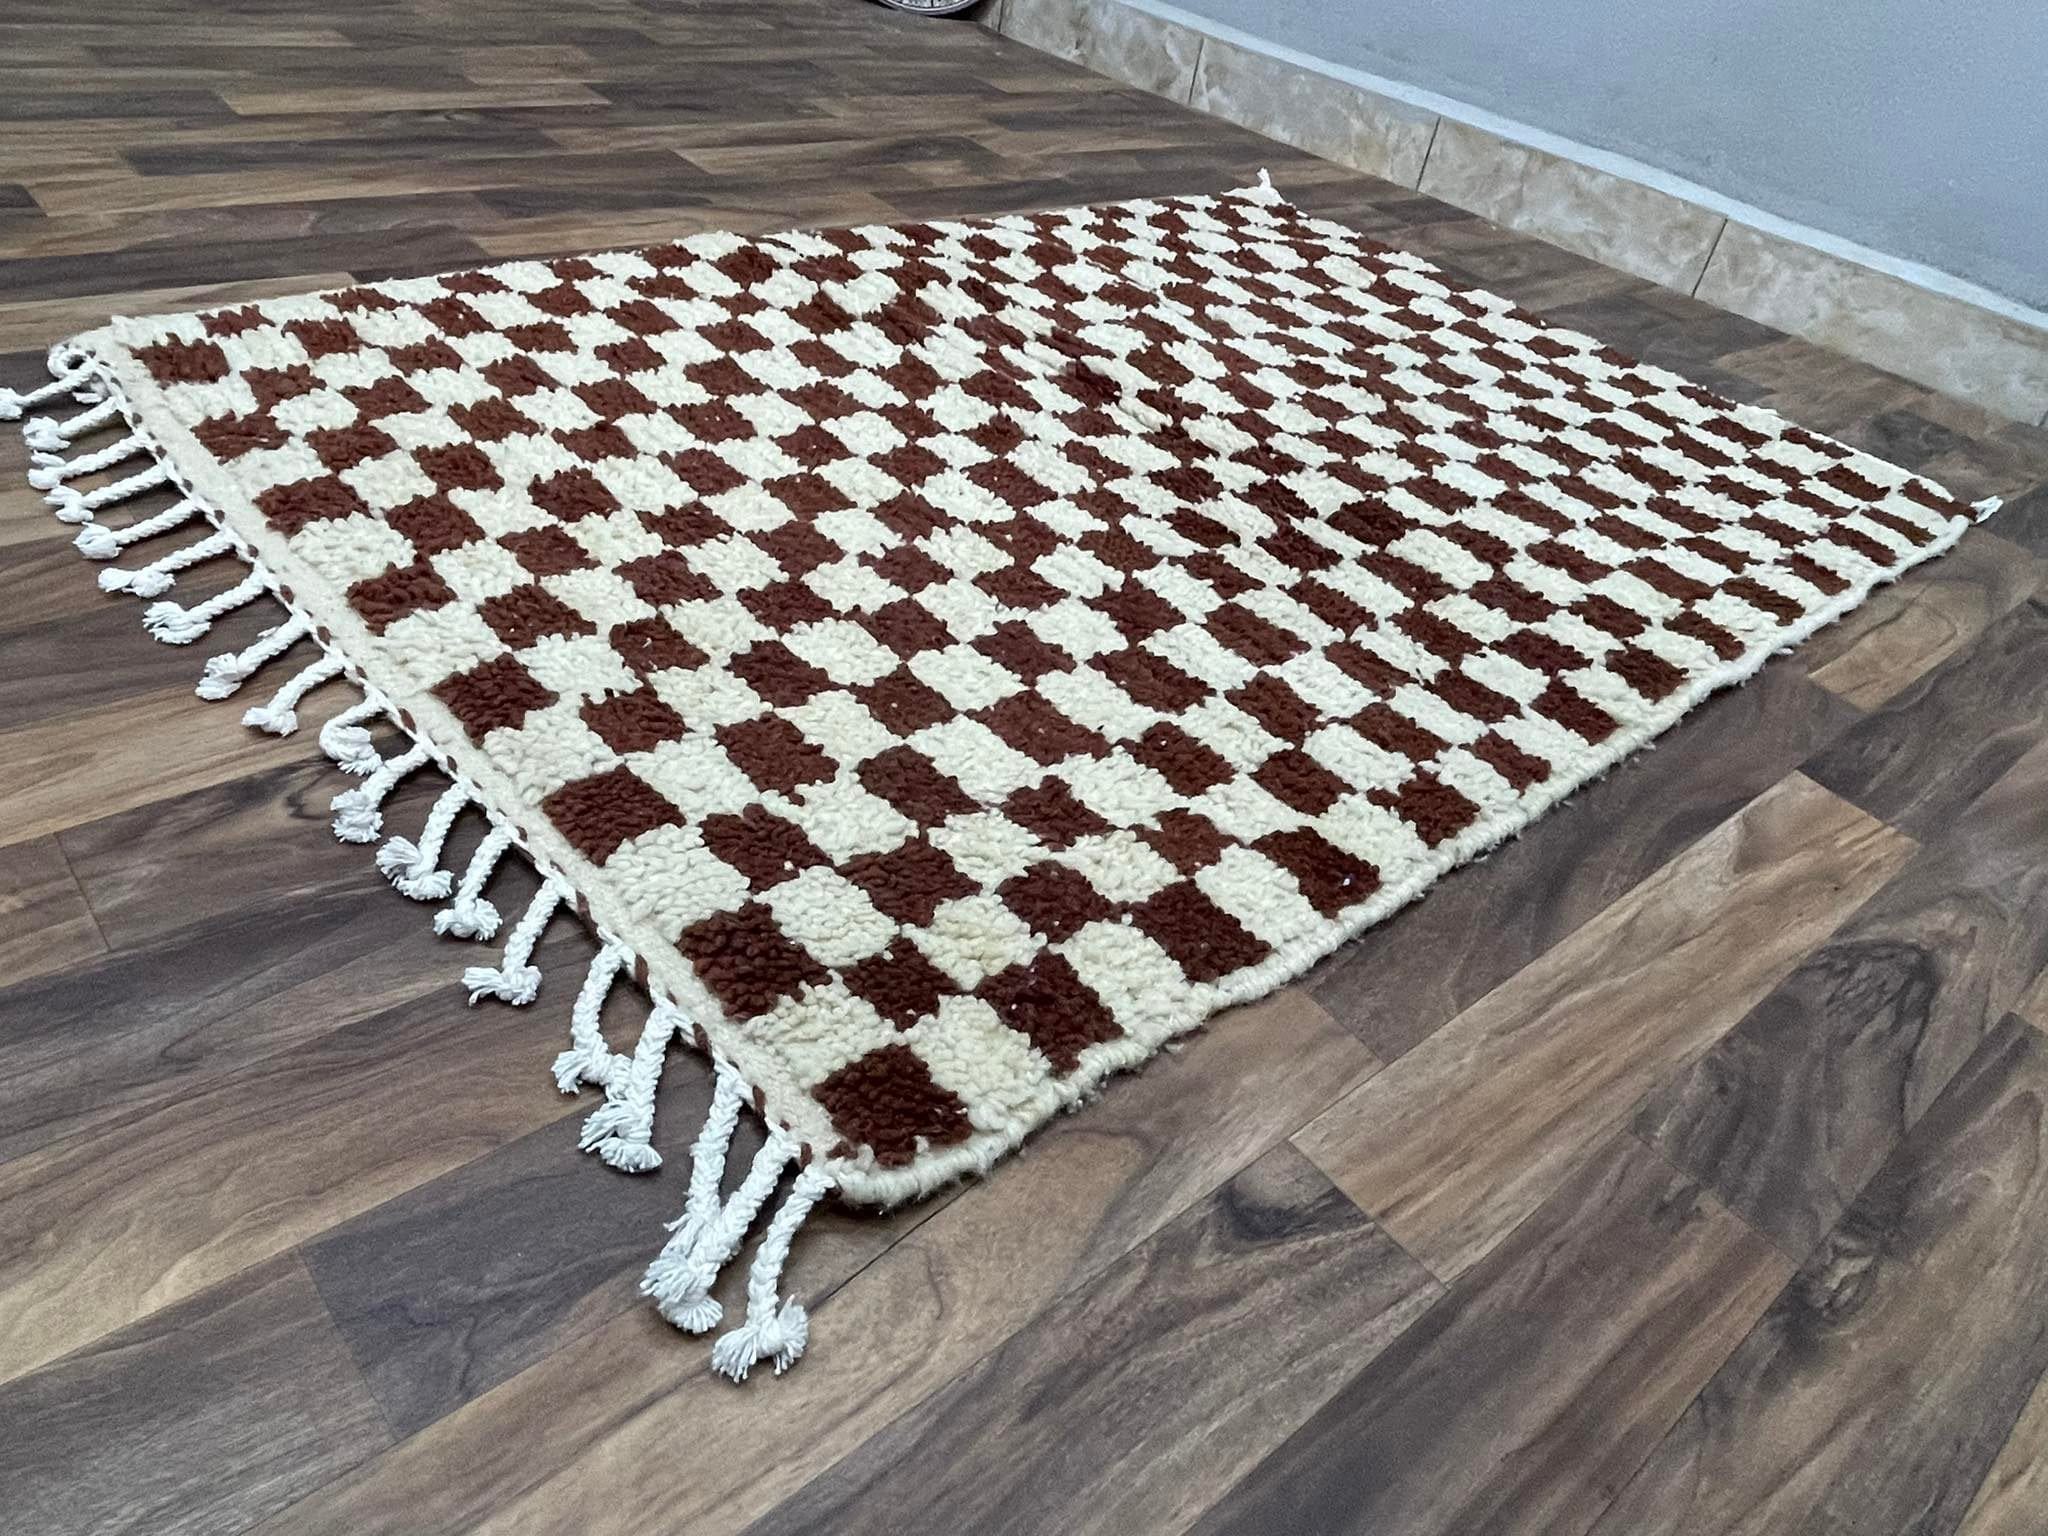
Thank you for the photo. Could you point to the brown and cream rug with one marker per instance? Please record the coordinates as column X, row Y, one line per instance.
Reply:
column 945, row 662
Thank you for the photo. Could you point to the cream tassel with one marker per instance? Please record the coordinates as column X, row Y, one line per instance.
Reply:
column 589, row 1059
column 621, row 1131
column 515, row 979
column 681, row 1276
column 280, row 716
column 356, row 817
column 156, row 578
column 72, row 506
column 50, row 471
column 181, row 626
column 47, row 434
column 97, row 542
column 469, row 916
column 707, row 1158
column 347, row 740
column 225, row 674
column 15, row 403
column 774, row 1329
column 415, row 868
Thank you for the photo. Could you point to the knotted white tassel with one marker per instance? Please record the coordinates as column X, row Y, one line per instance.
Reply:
column 1987, row 506
column 589, row 1059
column 415, row 868
column 356, row 817
column 621, row 1130
column 280, row 716
column 225, row 674
column 72, row 506
column 774, row 1329
column 681, row 1276
column 181, row 626
column 347, row 740
column 51, row 471
column 15, row 403
column 707, row 1157
column 469, row 916
column 48, row 435
column 157, row 578
column 97, row 542
column 515, row 979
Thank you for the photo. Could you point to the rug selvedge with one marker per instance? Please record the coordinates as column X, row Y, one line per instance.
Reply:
column 945, row 662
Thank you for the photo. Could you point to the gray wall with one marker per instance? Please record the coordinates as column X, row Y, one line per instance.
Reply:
column 1916, row 127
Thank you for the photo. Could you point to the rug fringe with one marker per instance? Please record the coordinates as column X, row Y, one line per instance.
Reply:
column 711, row 1230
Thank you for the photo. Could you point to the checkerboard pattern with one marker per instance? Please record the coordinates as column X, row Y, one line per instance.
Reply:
column 962, row 656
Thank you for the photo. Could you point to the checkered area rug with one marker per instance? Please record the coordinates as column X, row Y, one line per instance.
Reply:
column 947, row 661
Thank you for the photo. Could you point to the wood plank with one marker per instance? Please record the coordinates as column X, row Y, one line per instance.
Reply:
column 1528, row 1394
column 598, row 1424
column 45, row 924
column 1932, row 613
column 1948, row 737
column 1395, row 984
column 404, row 98
column 205, row 1419
column 383, row 178
column 1197, row 1354
column 39, row 322
column 1461, row 1138
column 1876, row 1392
column 242, row 930
column 120, row 1219
column 1796, row 1107
column 154, row 746
column 566, row 1241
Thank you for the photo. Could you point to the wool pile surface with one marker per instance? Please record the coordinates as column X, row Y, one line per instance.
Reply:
column 947, row 661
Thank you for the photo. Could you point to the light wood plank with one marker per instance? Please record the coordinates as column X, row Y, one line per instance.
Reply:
column 1461, row 1138
column 1525, row 1397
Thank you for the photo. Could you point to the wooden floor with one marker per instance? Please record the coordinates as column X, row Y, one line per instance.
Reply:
column 1681, row 1168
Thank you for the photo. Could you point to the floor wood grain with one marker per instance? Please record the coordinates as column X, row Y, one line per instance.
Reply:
column 1875, row 1394
column 1454, row 1144
column 293, row 1241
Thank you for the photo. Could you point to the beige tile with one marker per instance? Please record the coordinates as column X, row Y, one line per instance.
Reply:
column 1607, row 217
column 1931, row 338
column 1112, row 39
column 1325, row 116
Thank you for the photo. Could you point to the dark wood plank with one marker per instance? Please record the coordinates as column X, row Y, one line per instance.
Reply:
column 563, row 1239
column 1791, row 1112
column 1947, row 738
column 1541, row 1381
column 1876, row 1393
column 206, row 1418
column 1134, row 1404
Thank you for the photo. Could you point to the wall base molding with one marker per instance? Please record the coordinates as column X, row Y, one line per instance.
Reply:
column 1924, row 325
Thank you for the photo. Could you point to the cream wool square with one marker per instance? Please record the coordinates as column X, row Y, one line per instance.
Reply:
column 945, row 662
